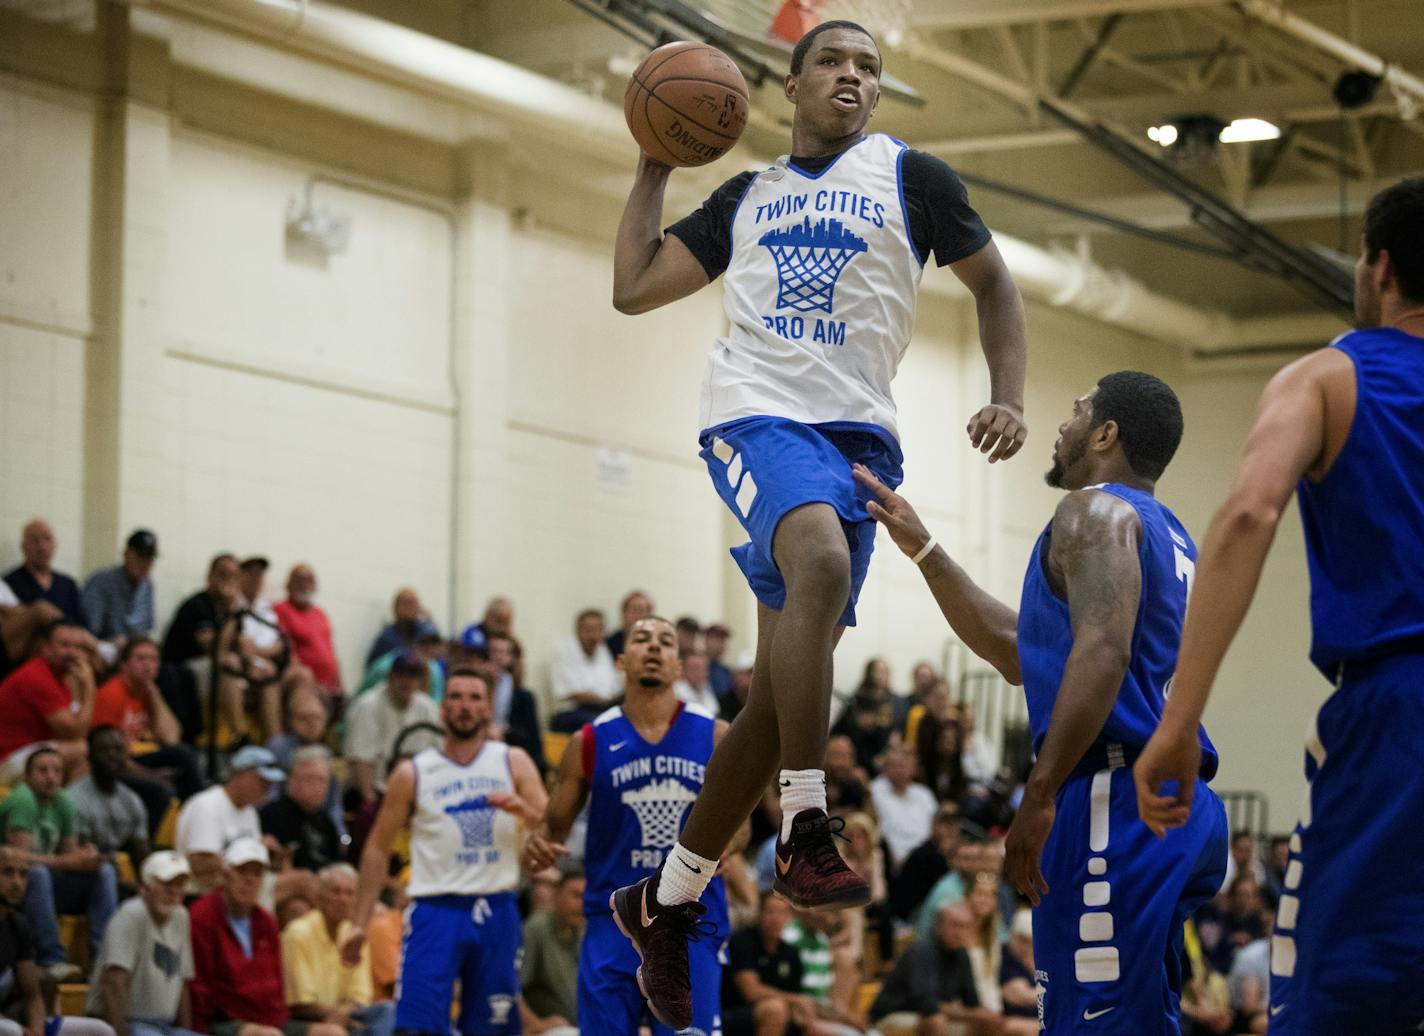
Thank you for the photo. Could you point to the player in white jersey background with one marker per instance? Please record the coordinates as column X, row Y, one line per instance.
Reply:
column 823, row 254
column 465, row 802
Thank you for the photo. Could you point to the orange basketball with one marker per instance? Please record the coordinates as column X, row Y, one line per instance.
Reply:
column 686, row 104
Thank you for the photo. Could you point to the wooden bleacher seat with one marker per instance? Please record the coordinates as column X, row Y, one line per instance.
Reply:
column 554, row 745
column 167, row 828
column 74, row 999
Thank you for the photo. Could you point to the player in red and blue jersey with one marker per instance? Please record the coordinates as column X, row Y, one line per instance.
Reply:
column 639, row 767
column 1094, row 644
column 1343, row 427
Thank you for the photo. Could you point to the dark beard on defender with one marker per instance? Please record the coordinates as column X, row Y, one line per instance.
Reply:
column 1056, row 474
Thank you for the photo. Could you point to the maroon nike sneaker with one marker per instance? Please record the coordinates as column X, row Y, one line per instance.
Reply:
column 660, row 934
column 809, row 868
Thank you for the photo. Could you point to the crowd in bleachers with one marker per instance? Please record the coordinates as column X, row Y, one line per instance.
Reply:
column 114, row 817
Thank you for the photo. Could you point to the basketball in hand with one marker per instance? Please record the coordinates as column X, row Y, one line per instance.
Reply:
column 686, row 104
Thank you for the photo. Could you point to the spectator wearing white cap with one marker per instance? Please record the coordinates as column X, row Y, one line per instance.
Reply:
column 237, row 959
column 214, row 819
column 140, row 980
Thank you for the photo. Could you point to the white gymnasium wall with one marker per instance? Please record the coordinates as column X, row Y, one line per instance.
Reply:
column 308, row 402
column 604, row 478
column 44, row 310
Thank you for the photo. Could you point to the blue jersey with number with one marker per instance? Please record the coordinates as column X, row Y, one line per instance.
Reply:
column 1364, row 521
column 639, row 796
column 1045, row 634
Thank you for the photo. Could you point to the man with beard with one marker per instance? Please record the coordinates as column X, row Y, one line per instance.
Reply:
column 1094, row 644
column 641, row 764
column 464, row 802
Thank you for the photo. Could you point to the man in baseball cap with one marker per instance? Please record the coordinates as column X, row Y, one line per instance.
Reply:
column 214, row 819
column 146, row 958
column 237, row 981
column 118, row 601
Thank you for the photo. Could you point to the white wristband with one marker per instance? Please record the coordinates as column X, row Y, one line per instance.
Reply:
column 925, row 550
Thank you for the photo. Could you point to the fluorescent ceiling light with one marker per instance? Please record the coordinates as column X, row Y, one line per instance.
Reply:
column 1246, row 131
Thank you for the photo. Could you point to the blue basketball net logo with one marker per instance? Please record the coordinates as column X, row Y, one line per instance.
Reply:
column 809, row 261
column 475, row 819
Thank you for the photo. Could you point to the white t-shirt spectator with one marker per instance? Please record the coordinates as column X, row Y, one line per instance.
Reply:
column 158, row 958
column 261, row 630
column 373, row 723
column 209, row 823
column 905, row 818
column 703, row 697
column 574, row 672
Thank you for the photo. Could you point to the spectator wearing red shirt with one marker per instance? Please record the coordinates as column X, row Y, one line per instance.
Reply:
column 48, row 699
column 237, row 961
column 131, row 701
column 309, row 630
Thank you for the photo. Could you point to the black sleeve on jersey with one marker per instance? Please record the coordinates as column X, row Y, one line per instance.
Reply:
column 707, row 232
column 937, row 205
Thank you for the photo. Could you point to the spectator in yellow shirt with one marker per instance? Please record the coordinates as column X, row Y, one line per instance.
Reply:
column 319, row 988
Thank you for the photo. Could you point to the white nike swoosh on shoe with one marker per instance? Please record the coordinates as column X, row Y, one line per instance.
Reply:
column 647, row 921
column 1088, row 1016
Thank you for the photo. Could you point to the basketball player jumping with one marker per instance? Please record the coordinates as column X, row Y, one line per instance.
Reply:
column 1345, row 428
column 465, row 802
column 641, row 764
column 823, row 254
column 1093, row 644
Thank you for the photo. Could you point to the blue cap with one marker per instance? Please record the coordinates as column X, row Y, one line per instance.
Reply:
column 255, row 757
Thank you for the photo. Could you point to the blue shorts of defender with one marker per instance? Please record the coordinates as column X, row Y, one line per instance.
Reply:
column 1107, row 938
column 609, row 1000
column 764, row 467
column 476, row 939
column 1348, row 951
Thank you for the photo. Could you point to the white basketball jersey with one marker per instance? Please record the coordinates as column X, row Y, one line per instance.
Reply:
column 460, row 845
column 820, row 293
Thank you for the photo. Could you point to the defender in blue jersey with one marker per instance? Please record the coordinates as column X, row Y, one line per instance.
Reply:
column 1344, row 427
column 1094, row 644
column 639, row 766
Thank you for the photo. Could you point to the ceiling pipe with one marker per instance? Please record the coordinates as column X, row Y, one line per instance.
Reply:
column 596, row 128
column 1273, row 13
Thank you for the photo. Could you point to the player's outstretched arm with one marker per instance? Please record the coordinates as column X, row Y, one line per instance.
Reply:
column 375, row 857
column 545, row 843
column 650, row 269
column 998, row 428
column 988, row 627
column 1094, row 550
column 1287, row 443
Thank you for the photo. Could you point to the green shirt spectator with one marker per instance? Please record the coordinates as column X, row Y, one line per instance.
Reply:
column 815, row 950
column 47, row 824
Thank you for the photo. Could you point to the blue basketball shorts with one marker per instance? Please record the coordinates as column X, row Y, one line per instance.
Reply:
column 476, row 939
column 1347, row 955
column 609, row 1000
column 763, row 467
column 1107, row 937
